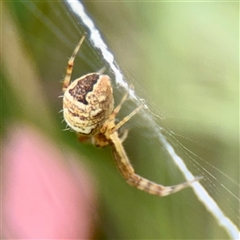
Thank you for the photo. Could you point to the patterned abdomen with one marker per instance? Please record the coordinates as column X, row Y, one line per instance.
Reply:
column 87, row 103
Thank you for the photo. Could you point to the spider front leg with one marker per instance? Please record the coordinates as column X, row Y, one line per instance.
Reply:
column 116, row 110
column 137, row 181
column 112, row 117
column 69, row 70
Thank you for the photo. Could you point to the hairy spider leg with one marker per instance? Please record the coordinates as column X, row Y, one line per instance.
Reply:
column 69, row 70
column 116, row 110
column 119, row 106
column 127, row 118
column 125, row 166
column 123, row 135
column 137, row 181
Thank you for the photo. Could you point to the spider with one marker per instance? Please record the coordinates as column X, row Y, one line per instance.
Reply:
column 88, row 109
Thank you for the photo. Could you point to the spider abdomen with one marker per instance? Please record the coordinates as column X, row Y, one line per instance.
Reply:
column 88, row 102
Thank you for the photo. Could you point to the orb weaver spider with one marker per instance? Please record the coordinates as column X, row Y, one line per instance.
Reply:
column 88, row 109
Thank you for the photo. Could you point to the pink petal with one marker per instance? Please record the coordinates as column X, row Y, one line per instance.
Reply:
column 46, row 194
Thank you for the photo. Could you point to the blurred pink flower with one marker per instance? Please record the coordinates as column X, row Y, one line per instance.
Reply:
column 45, row 192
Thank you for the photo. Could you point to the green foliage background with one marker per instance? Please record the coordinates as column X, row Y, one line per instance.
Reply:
column 182, row 58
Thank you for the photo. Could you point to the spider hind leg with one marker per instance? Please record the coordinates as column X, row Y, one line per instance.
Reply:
column 137, row 181
column 157, row 189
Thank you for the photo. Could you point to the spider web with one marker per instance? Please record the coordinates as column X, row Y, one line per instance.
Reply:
column 81, row 21
column 200, row 192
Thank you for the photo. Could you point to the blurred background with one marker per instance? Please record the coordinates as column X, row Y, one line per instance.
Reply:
column 182, row 59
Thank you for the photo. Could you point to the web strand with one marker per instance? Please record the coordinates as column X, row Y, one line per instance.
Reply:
column 200, row 192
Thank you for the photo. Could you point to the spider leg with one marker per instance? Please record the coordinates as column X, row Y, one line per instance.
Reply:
column 69, row 70
column 127, row 118
column 123, row 135
column 124, row 120
column 102, row 70
column 118, row 107
column 137, row 181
